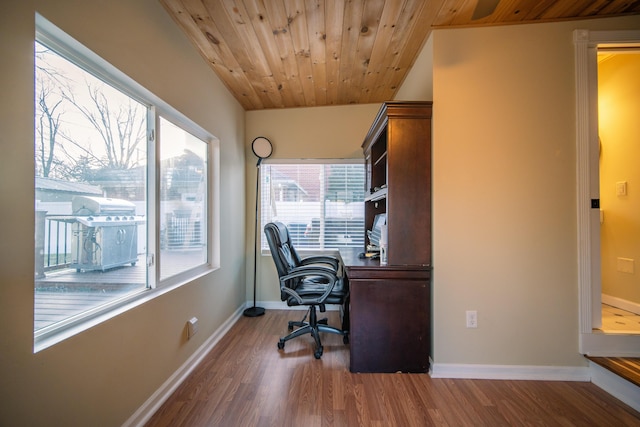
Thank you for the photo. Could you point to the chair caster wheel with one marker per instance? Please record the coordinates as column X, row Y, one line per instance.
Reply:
column 345, row 339
column 280, row 345
column 318, row 353
column 290, row 326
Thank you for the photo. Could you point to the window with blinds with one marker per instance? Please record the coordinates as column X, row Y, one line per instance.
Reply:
column 322, row 203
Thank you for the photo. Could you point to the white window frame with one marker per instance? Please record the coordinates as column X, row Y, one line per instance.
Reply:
column 56, row 39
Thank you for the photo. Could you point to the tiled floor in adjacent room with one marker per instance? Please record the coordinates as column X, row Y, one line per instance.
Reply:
column 616, row 320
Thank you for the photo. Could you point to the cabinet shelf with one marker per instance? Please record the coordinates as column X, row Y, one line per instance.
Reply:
column 382, row 158
column 377, row 195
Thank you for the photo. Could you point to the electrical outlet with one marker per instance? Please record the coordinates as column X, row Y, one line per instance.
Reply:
column 621, row 188
column 625, row 265
column 192, row 327
column 472, row 319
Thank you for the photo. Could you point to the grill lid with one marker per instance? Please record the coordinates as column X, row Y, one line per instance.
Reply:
column 90, row 205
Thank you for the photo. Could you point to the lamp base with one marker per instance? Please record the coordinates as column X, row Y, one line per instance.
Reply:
column 253, row 311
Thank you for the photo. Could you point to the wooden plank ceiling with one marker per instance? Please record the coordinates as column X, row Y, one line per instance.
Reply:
column 295, row 53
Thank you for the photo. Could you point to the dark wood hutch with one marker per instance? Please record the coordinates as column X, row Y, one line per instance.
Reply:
column 390, row 310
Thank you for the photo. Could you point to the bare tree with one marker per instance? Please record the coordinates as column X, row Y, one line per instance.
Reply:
column 82, row 126
column 49, row 112
column 47, row 127
column 121, row 128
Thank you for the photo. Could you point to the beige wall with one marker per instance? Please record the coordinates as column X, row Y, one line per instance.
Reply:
column 504, row 174
column 103, row 375
column 299, row 133
column 619, row 109
column 418, row 84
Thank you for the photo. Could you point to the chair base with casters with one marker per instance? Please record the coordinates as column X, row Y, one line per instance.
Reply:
column 313, row 327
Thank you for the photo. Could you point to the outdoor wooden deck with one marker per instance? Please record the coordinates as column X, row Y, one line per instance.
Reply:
column 66, row 293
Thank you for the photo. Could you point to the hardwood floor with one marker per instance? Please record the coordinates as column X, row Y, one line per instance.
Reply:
column 246, row 381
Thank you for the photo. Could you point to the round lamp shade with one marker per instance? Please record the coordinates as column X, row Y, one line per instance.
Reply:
column 262, row 147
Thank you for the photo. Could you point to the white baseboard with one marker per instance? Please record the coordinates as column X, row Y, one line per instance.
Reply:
column 599, row 344
column 616, row 386
column 144, row 413
column 623, row 304
column 510, row 372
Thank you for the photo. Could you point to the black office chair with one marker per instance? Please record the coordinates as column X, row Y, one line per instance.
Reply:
column 312, row 281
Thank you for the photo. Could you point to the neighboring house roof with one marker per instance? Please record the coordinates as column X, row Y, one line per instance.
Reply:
column 279, row 177
column 108, row 176
column 48, row 184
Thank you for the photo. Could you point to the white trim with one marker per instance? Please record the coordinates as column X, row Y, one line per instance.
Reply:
column 587, row 183
column 621, row 303
column 510, row 372
column 153, row 403
column 600, row 344
column 611, row 383
column 586, row 115
column 616, row 386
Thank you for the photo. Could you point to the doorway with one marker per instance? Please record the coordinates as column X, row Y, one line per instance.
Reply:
column 619, row 155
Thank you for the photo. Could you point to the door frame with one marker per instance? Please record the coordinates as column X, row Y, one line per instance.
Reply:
column 592, row 342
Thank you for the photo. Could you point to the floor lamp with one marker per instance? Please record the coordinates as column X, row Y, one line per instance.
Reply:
column 262, row 148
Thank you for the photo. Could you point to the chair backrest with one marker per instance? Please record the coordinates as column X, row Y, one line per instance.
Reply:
column 279, row 241
column 282, row 251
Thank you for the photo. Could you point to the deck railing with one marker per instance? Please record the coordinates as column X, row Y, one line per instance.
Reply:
column 55, row 246
column 55, row 237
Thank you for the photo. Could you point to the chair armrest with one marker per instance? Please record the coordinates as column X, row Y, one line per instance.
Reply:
column 309, row 271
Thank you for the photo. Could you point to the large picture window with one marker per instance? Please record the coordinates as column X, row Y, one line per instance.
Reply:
column 120, row 178
column 321, row 202
column 183, row 200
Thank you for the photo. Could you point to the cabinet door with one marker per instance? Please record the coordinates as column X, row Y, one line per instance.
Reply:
column 409, row 191
column 390, row 325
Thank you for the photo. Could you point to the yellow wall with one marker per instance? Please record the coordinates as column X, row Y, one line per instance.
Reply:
column 103, row 375
column 619, row 110
column 504, row 193
column 298, row 133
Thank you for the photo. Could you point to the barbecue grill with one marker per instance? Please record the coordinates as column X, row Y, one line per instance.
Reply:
column 104, row 233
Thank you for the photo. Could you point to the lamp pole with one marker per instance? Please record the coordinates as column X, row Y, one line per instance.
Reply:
column 262, row 148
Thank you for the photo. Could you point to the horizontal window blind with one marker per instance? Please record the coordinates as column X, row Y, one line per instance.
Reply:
column 322, row 204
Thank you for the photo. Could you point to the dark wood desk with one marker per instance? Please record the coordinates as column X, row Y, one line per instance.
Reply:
column 390, row 315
